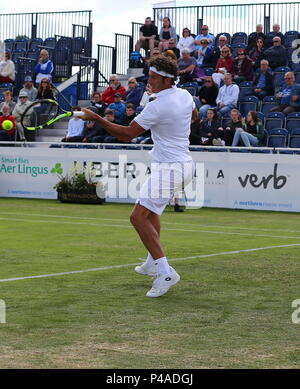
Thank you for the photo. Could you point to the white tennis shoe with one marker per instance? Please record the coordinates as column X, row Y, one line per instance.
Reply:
column 147, row 270
column 162, row 283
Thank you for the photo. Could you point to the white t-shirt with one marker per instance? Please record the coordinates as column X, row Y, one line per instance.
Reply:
column 169, row 119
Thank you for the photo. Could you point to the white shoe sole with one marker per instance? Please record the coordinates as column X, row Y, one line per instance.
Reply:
column 159, row 291
column 142, row 271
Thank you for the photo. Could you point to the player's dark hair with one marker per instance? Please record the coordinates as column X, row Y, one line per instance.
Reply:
column 165, row 64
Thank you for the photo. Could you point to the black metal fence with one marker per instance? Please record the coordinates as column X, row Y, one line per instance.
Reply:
column 42, row 24
column 107, row 63
column 231, row 18
column 123, row 45
column 87, row 78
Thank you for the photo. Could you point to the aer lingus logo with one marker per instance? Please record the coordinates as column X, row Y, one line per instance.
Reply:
column 57, row 169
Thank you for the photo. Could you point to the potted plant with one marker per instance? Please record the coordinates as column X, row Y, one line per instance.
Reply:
column 79, row 185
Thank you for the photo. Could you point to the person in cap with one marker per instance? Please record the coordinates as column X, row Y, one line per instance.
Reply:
column 119, row 108
column 169, row 117
column 19, row 109
column 29, row 89
column 8, row 100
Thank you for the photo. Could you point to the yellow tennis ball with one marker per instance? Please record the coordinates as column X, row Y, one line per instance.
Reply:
column 7, row 125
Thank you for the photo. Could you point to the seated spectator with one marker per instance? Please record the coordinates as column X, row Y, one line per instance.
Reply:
column 276, row 55
column 134, row 92
column 92, row 132
column 275, row 32
column 228, row 95
column 4, row 134
column 114, row 87
column 119, row 108
column 186, row 41
column 97, row 103
column 186, row 67
column 19, row 109
column 110, row 116
column 207, row 96
column 263, row 84
column 29, row 89
column 257, row 52
column 75, row 128
column 252, row 135
column 235, row 123
column 207, row 130
column 44, row 67
column 243, row 70
column 145, row 138
column 204, row 34
column 145, row 76
column 7, row 70
column 146, row 96
column 167, row 32
column 224, row 65
column 130, row 114
column 148, row 36
column 216, row 50
column 254, row 36
column 172, row 46
column 45, row 90
column 8, row 100
column 204, row 54
column 288, row 95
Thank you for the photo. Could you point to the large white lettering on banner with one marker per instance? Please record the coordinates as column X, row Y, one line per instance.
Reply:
column 231, row 180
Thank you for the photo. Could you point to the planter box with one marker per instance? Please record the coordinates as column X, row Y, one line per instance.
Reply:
column 83, row 197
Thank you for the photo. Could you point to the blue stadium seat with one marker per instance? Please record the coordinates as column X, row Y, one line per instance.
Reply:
column 50, row 42
column 261, row 117
column 61, row 56
column 245, row 89
column 248, row 103
column 21, row 43
column 274, row 120
column 64, row 42
column 277, row 137
column 79, row 43
column 208, row 71
column 292, row 121
column 191, row 89
column 294, row 140
column 268, row 103
column 289, row 37
column 297, row 76
column 17, row 54
column 9, row 44
column 139, row 110
column 239, row 37
column 33, row 53
column 35, row 42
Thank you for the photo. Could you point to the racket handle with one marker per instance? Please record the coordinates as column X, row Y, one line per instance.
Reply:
column 78, row 113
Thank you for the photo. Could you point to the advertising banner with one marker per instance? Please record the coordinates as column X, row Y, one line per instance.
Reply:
column 231, row 180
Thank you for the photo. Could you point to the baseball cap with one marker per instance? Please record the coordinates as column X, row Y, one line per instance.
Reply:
column 23, row 94
column 118, row 95
column 27, row 79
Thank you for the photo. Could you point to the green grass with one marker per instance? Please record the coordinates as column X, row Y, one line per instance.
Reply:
column 228, row 311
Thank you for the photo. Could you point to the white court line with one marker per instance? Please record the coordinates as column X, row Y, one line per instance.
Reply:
column 138, row 263
column 165, row 229
column 163, row 222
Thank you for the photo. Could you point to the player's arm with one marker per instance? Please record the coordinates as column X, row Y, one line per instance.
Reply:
column 123, row 133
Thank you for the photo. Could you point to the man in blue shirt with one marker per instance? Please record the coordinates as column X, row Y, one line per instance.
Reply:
column 204, row 34
column 119, row 108
column 288, row 95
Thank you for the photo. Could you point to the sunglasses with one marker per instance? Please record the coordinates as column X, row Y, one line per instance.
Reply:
column 225, row 51
column 204, row 29
column 131, row 82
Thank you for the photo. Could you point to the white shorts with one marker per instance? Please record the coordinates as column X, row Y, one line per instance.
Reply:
column 165, row 182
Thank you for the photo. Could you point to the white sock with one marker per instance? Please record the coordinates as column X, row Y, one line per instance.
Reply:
column 163, row 266
column 150, row 261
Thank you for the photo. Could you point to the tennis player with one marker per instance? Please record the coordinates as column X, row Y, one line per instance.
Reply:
column 169, row 118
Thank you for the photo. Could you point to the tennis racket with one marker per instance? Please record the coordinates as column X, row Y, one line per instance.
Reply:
column 42, row 113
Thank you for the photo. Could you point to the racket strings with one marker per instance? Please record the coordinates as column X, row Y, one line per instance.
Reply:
column 43, row 112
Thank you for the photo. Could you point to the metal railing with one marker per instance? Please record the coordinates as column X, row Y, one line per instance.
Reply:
column 87, row 78
column 135, row 33
column 41, row 24
column 107, row 63
column 231, row 18
column 123, row 45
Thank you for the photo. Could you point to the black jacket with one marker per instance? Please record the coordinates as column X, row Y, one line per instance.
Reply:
column 209, row 94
